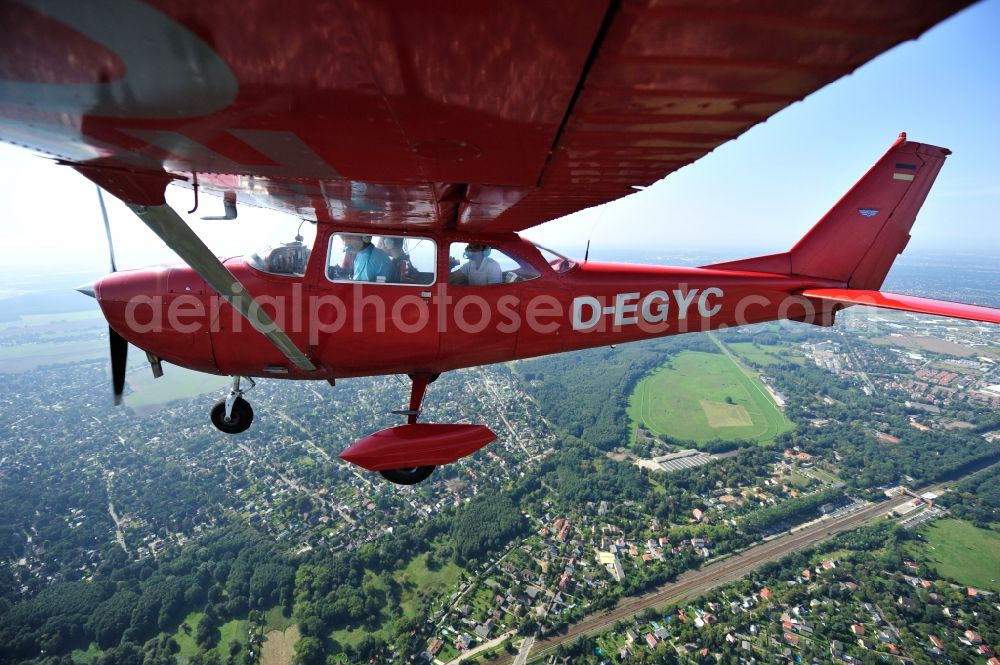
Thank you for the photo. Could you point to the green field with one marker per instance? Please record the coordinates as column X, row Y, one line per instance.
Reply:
column 687, row 399
column 185, row 640
column 51, row 319
column 176, row 383
column 416, row 579
column 276, row 620
column 960, row 551
column 25, row 357
column 231, row 631
column 82, row 657
column 765, row 355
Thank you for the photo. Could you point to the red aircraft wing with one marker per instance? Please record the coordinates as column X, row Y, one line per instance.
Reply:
column 490, row 116
column 955, row 310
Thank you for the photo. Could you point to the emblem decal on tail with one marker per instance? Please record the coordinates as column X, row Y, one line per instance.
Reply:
column 868, row 212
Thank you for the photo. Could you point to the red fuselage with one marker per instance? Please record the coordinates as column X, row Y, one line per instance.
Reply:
column 363, row 329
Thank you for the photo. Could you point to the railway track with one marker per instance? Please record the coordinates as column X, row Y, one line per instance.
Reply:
column 696, row 582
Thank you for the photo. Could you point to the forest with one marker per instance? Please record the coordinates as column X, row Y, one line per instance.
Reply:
column 586, row 392
column 977, row 498
column 228, row 573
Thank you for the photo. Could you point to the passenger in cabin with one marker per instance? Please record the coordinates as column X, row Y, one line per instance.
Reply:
column 479, row 269
column 403, row 271
column 370, row 263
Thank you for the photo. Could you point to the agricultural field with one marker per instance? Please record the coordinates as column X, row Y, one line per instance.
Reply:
column 942, row 346
column 26, row 357
column 963, row 552
column 703, row 396
column 34, row 340
column 145, row 394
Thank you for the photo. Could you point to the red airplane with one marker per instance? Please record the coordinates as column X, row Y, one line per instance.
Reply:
column 419, row 161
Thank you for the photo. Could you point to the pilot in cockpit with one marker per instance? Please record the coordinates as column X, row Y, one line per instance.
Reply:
column 479, row 269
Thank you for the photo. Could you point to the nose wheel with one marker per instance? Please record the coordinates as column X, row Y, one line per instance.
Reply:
column 233, row 414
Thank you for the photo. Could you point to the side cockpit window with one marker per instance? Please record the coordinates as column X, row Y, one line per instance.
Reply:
column 381, row 259
column 289, row 259
column 477, row 264
column 556, row 261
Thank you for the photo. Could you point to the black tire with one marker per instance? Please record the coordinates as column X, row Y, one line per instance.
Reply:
column 239, row 421
column 410, row 476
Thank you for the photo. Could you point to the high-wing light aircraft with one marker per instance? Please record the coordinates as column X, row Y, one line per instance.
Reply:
column 420, row 140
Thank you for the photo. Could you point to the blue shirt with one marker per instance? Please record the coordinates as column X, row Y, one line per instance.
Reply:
column 370, row 264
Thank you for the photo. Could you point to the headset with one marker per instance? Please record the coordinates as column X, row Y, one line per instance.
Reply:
column 467, row 255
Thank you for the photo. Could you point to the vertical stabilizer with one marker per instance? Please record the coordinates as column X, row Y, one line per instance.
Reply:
column 857, row 241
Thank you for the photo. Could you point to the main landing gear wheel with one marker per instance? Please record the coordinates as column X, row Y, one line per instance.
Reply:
column 415, row 474
column 410, row 476
column 233, row 414
column 239, row 418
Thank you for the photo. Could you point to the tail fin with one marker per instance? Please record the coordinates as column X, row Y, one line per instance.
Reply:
column 858, row 240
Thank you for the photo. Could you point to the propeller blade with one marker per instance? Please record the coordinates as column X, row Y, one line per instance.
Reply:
column 119, row 356
column 107, row 229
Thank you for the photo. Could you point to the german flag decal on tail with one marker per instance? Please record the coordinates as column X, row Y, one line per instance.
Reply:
column 904, row 172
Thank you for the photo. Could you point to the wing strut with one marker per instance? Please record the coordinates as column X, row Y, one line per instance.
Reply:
column 178, row 236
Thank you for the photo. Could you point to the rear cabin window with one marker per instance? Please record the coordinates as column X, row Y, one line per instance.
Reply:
column 381, row 259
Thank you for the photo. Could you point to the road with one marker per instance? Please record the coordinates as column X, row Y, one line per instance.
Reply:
column 696, row 582
column 471, row 653
column 522, row 655
column 119, row 534
column 487, row 571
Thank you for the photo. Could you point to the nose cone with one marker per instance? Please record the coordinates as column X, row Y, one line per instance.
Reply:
column 88, row 289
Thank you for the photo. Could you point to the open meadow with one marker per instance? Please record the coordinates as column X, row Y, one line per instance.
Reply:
column 701, row 396
column 961, row 551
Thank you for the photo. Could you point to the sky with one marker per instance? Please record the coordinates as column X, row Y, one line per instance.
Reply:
column 756, row 194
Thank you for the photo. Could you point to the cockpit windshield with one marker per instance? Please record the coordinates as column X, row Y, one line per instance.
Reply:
column 557, row 261
column 289, row 258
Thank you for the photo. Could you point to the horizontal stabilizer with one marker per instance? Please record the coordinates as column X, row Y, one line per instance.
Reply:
column 955, row 310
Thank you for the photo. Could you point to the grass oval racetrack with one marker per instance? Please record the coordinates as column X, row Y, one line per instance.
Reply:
column 687, row 399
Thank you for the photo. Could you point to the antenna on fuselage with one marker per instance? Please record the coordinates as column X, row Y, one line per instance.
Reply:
column 590, row 234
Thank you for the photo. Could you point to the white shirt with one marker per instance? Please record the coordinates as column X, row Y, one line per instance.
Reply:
column 488, row 272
